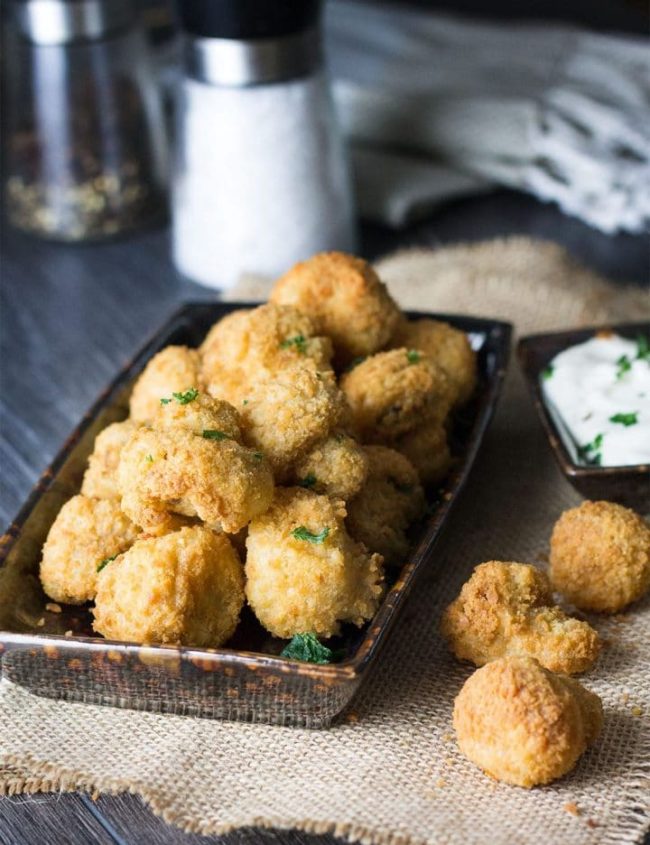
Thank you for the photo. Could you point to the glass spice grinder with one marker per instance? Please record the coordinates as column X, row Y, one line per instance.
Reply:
column 85, row 148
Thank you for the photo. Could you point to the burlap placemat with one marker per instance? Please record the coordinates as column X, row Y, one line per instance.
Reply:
column 390, row 773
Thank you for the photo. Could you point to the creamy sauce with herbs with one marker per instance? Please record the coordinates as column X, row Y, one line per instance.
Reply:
column 601, row 390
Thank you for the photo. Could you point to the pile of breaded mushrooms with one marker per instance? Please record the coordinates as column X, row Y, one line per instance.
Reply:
column 281, row 463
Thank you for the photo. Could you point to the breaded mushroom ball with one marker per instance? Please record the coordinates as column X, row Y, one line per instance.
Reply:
column 390, row 501
column 192, row 463
column 185, row 588
column 337, row 466
column 256, row 342
column 448, row 347
column 600, row 556
column 346, row 300
column 393, row 393
column 174, row 369
column 85, row 532
column 427, row 449
column 100, row 479
column 288, row 413
column 525, row 725
column 304, row 573
column 506, row 609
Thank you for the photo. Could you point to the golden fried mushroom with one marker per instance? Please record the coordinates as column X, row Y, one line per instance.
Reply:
column 85, row 532
column 337, row 466
column 427, row 449
column 346, row 300
column 524, row 725
column 393, row 393
column 506, row 609
column 600, row 556
column 286, row 414
column 192, row 463
column 392, row 498
column 100, row 479
column 254, row 342
column 174, row 369
column 304, row 572
column 448, row 347
column 184, row 588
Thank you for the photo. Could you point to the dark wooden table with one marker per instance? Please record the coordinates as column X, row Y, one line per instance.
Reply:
column 71, row 316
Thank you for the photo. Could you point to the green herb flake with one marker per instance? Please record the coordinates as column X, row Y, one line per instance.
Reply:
column 308, row 649
column 624, row 365
column 105, row 562
column 298, row 341
column 183, row 397
column 149, row 459
column 547, row 372
column 590, row 452
column 245, row 402
column 413, row 356
column 625, row 419
column 302, row 533
column 642, row 348
column 258, row 455
column 308, row 481
column 215, row 434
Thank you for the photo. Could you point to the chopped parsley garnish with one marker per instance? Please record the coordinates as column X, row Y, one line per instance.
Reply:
column 642, row 348
column 309, row 649
column 258, row 455
column 183, row 398
column 298, row 341
column 308, row 481
column 215, row 434
column 149, row 459
column 413, row 356
column 625, row 419
column 590, row 452
column 624, row 366
column 105, row 562
column 245, row 402
column 302, row 533
column 547, row 372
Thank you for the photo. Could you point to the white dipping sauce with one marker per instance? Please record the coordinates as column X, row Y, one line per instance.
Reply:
column 601, row 390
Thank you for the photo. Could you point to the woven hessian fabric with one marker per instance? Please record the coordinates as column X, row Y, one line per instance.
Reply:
column 390, row 772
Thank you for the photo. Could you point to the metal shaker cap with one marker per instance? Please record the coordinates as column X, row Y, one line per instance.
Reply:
column 240, row 43
column 65, row 21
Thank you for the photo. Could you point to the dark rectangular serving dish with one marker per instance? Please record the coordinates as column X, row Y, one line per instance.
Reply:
column 627, row 485
column 56, row 654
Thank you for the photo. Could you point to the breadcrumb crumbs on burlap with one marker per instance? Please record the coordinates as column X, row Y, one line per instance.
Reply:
column 572, row 808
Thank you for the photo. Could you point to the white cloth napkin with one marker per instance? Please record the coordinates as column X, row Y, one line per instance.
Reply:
column 437, row 106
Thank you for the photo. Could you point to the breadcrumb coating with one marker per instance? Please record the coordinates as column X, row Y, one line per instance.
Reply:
column 288, row 413
column 297, row 585
column 192, row 463
column 427, row 449
column 173, row 370
column 506, row 609
column 337, row 466
column 346, row 300
column 600, row 556
column 185, row 588
column 100, row 479
column 390, row 501
column 524, row 725
column 448, row 347
column 85, row 532
column 254, row 343
column 394, row 392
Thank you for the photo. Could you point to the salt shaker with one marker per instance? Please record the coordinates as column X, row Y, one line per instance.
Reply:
column 86, row 154
column 260, row 176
